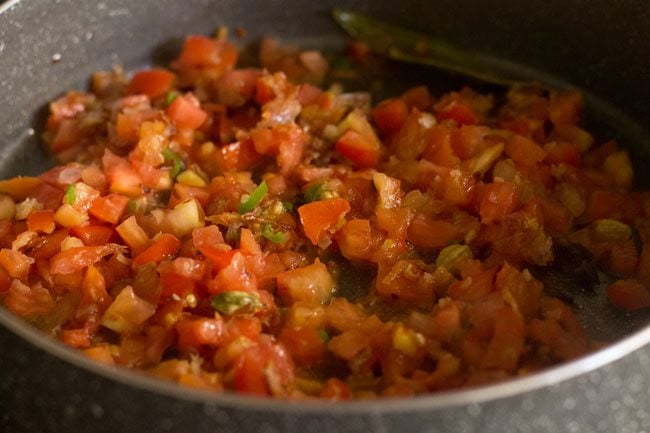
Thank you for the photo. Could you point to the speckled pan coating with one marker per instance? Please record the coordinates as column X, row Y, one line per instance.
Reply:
column 47, row 47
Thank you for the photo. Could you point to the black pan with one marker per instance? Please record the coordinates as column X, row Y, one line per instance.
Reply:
column 47, row 47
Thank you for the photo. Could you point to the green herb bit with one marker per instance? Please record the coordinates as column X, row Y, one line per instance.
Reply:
column 70, row 194
column 313, row 193
column 171, row 95
column 272, row 235
column 236, row 302
column 287, row 205
column 324, row 335
column 253, row 199
column 177, row 163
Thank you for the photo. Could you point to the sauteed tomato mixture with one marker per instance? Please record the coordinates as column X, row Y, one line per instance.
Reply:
column 240, row 229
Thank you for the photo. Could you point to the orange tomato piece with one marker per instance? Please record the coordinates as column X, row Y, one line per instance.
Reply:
column 185, row 113
column 200, row 51
column 200, row 331
column 77, row 258
column 41, row 221
column 361, row 150
column 319, row 216
column 390, row 115
column 628, row 295
column 499, row 199
column 109, row 208
column 153, row 82
column 93, row 235
column 164, row 246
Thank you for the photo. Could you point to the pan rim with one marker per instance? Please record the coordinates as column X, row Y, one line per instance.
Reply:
column 439, row 400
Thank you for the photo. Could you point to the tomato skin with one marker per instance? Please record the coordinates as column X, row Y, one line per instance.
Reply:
column 165, row 246
column 362, row 151
column 628, row 295
column 258, row 361
column 77, row 258
column 312, row 283
column 304, row 344
column 41, row 221
column 122, row 178
column 24, row 300
column 499, row 199
column 234, row 276
column 457, row 108
column 185, row 113
column 355, row 240
column 319, row 216
column 197, row 332
column 15, row 263
column 109, row 208
column 525, row 151
column 200, row 51
column 390, row 115
column 153, row 82
column 429, row 233
column 335, row 389
column 94, row 235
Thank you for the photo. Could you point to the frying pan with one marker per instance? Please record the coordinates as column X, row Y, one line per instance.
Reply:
column 47, row 47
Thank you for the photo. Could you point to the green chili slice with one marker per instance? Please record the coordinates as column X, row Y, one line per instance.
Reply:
column 253, row 199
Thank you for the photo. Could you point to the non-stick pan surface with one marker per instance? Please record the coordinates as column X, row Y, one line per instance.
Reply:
column 49, row 47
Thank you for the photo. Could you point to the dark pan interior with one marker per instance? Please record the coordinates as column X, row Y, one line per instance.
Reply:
column 598, row 46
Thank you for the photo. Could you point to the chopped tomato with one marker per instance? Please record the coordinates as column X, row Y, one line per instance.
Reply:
column 312, row 283
column 15, row 263
column 455, row 107
column 185, row 113
column 200, row 51
column 196, row 332
column 77, row 258
column 153, row 82
column 319, row 216
column 499, row 199
column 109, row 208
column 429, row 233
column 628, row 295
column 164, row 246
column 41, row 221
column 390, row 115
column 305, row 345
column 263, row 369
column 363, row 151
column 94, row 235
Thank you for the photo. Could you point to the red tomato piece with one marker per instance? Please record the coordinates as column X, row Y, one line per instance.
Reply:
column 390, row 115
column 430, row 233
column 153, row 82
column 200, row 51
column 41, row 221
column 361, row 150
column 456, row 107
column 305, row 345
column 319, row 216
column 499, row 199
column 15, row 263
column 77, row 258
column 186, row 113
column 197, row 332
column 312, row 283
column 110, row 208
column 94, row 235
column 628, row 295
column 162, row 247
